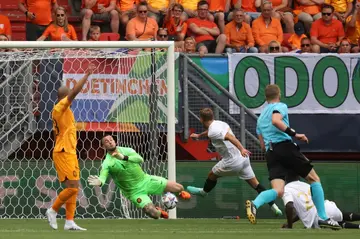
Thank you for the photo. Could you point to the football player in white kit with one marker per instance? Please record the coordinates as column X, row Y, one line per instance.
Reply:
column 297, row 197
column 235, row 158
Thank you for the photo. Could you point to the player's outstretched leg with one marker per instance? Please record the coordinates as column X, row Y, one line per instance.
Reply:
column 177, row 188
column 266, row 196
column 260, row 188
column 155, row 212
column 318, row 197
column 351, row 216
column 209, row 184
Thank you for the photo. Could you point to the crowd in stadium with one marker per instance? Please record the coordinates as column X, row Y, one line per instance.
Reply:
column 212, row 26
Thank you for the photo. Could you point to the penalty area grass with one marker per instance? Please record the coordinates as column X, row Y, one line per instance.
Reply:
column 169, row 229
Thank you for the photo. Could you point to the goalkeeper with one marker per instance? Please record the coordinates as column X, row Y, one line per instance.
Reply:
column 124, row 166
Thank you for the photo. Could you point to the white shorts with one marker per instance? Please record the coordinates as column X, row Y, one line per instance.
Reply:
column 333, row 211
column 240, row 167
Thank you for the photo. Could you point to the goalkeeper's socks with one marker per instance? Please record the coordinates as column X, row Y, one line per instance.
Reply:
column 317, row 194
column 265, row 197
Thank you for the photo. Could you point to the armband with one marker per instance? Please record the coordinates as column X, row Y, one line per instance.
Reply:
column 126, row 158
column 290, row 131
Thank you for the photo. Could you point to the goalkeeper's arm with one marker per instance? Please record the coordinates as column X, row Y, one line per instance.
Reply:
column 101, row 179
column 129, row 155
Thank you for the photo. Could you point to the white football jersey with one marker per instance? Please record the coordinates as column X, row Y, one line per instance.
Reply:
column 299, row 193
column 216, row 132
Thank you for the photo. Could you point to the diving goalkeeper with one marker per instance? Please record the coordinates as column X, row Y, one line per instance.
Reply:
column 124, row 166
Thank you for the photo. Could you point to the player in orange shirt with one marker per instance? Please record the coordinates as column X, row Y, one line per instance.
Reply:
column 99, row 10
column 64, row 154
column 60, row 29
column 38, row 16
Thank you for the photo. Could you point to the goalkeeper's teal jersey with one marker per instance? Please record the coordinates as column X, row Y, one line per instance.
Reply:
column 127, row 175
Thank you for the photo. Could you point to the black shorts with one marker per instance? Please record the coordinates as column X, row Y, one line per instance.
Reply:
column 209, row 44
column 286, row 157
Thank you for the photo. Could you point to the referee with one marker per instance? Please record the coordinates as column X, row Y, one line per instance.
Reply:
column 282, row 155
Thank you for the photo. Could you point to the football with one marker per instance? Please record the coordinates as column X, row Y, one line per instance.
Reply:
column 169, row 200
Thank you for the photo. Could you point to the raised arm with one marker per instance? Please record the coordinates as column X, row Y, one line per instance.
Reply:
column 79, row 85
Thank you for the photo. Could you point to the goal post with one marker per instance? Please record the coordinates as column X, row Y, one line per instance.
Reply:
column 24, row 54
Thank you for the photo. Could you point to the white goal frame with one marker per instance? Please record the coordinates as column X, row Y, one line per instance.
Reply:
column 170, row 45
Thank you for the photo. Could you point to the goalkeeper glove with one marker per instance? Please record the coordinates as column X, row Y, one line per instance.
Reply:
column 94, row 180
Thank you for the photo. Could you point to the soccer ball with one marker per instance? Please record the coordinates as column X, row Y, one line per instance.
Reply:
column 169, row 200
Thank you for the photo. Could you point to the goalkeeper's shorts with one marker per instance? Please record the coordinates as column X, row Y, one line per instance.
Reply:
column 67, row 166
column 152, row 185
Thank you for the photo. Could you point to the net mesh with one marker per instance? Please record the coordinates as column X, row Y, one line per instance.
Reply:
column 125, row 97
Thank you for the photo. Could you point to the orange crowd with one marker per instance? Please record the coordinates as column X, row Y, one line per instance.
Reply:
column 212, row 26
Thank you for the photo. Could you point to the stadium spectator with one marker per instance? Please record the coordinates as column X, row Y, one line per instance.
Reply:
column 274, row 47
column 95, row 33
column 5, row 26
column 342, row 8
column 353, row 28
column 176, row 27
column 266, row 28
column 249, row 7
column 38, row 16
column 141, row 27
column 189, row 45
column 60, row 29
column 190, row 7
column 284, row 13
column 295, row 39
column 345, row 46
column 218, row 9
column 305, row 45
column 126, row 10
column 162, row 34
column 206, row 33
column 327, row 32
column 99, row 10
column 158, row 9
column 238, row 35
column 308, row 11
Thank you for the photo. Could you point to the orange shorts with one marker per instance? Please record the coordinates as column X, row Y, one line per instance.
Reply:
column 67, row 166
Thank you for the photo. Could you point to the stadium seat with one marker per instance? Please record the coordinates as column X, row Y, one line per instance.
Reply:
column 109, row 36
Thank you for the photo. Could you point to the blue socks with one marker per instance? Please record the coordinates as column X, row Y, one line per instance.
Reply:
column 265, row 197
column 317, row 194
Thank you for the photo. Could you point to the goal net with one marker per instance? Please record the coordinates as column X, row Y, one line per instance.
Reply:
column 128, row 96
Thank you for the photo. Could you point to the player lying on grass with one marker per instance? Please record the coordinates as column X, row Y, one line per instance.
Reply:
column 235, row 158
column 300, row 206
column 124, row 166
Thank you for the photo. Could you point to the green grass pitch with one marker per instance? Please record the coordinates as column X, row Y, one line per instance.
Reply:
column 169, row 229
